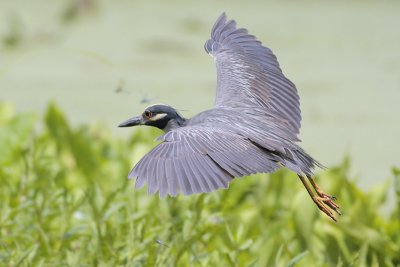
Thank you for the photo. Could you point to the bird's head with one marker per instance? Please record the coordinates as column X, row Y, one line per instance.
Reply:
column 161, row 116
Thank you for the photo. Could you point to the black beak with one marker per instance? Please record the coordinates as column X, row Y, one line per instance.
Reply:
column 138, row 120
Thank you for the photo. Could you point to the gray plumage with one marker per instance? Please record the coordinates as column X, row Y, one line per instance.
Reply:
column 248, row 74
column 252, row 128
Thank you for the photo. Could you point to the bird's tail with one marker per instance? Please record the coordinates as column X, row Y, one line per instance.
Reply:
column 299, row 161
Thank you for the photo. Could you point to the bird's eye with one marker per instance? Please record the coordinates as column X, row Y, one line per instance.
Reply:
column 148, row 114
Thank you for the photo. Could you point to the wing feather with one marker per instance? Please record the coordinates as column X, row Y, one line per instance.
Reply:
column 197, row 175
column 183, row 182
column 249, row 75
column 152, row 178
column 217, row 175
column 173, row 184
column 199, row 159
column 198, row 168
column 162, row 178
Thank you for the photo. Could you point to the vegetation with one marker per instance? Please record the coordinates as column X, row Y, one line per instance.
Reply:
column 65, row 201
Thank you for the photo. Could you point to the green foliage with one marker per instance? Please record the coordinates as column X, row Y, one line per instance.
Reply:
column 65, row 200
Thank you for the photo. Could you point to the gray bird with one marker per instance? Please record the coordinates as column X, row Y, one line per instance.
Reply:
column 252, row 128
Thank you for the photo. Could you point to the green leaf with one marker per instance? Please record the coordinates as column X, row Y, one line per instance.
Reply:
column 14, row 135
column 296, row 259
column 57, row 125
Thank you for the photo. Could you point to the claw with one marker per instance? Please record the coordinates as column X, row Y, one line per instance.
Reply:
column 332, row 205
column 321, row 205
column 323, row 195
column 323, row 202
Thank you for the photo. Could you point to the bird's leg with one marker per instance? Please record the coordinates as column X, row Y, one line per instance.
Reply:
column 327, row 199
column 320, row 201
column 318, row 190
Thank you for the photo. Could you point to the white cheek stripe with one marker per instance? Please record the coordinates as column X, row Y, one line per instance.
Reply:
column 158, row 116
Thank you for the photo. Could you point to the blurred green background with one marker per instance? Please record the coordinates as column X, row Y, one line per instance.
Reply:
column 101, row 62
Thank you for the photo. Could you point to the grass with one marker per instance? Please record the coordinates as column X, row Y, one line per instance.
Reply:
column 65, row 201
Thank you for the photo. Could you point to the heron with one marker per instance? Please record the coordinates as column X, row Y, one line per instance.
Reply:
column 252, row 128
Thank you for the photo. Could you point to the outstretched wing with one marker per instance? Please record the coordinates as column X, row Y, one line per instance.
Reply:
column 248, row 74
column 199, row 159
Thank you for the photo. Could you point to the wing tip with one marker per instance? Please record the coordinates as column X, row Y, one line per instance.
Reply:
column 219, row 24
column 221, row 18
column 132, row 174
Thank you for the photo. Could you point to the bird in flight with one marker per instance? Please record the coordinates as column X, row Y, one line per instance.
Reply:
column 252, row 127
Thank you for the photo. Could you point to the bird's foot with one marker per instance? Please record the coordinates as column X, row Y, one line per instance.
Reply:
column 325, row 203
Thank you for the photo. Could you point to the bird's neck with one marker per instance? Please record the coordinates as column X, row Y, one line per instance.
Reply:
column 174, row 124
